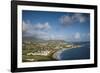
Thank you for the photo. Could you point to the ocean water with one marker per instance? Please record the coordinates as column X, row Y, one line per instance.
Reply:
column 77, row 53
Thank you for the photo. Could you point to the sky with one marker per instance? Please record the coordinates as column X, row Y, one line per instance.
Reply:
column 49, row 25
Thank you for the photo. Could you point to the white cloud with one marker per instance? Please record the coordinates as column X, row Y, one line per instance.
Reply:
column 40, row 31
column 66, row 20
column 24, row 27
column 40, row 26
column 36, row 31
column 77, row 36
column 77, row 17
column 57, row 37
column 88, row 34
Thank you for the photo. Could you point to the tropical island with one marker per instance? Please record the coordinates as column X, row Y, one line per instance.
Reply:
column 33, row 51
column 48, row 35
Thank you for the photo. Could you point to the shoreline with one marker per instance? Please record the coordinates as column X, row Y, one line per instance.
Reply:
column 57, row 54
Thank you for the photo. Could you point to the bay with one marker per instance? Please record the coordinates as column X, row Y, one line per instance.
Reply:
column 76, row 53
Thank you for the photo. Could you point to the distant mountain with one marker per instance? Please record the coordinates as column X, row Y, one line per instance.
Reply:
column 30, row 39
column 40, row 40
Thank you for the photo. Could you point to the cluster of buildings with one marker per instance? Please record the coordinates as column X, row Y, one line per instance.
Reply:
column 43, row 53
column 44, row 48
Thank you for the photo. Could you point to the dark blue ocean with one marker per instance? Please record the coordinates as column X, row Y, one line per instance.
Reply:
column 77, row 53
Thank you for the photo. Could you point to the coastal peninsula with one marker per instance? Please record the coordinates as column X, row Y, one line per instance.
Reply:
column 33, row 51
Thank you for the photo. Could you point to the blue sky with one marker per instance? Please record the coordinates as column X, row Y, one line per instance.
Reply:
column 56, row 25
